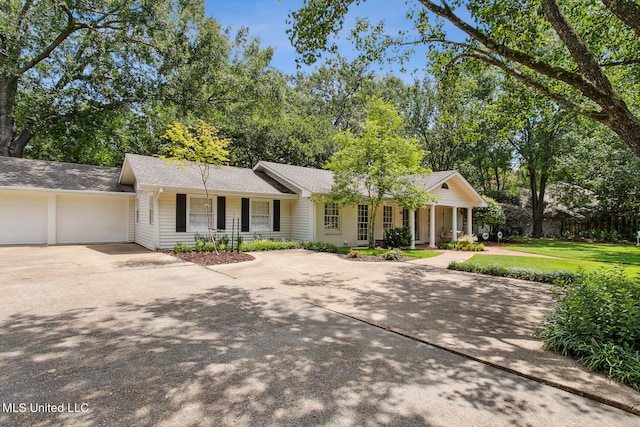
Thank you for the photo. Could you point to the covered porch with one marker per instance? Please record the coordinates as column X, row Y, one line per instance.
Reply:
column 435, row 223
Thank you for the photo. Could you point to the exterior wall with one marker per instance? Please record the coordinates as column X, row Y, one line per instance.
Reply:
column 348, row 225
column 144, row 233
column 453, row 196
column 132, row 220
column 301, row 219
column 168, row 236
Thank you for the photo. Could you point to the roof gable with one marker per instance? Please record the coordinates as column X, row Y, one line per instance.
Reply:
column 47, row 175
column 156, row 172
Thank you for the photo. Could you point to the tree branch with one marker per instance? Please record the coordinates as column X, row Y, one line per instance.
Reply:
column 574, row 80
column 587, row 62
column 627, row 11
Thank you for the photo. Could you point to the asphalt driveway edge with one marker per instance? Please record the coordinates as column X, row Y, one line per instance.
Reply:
column 633, row 409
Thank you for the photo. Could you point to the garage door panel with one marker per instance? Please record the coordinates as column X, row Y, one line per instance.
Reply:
column 23, row 218
column 92, row 219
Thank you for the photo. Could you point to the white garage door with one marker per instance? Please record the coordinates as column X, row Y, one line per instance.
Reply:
column 92, row 219
column 23, row 218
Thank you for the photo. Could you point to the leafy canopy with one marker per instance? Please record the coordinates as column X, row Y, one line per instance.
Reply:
column 198, row 143
column 377, row 164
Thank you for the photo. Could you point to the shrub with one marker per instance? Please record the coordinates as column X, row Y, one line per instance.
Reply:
column 181, row 247
column 397, row 237
column 269, row 245
column 319, row 246
column 596, row 321
column 202, row 245
column 446, row 245
column 354, row 254
column 515, row 272
column 224, row 241
column 393, row 255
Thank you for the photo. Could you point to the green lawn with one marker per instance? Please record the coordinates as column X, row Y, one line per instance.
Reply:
column 411, row 253
column 571, row 257
column 602, row 252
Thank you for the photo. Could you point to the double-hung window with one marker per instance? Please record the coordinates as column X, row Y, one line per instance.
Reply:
column 363, row 222
column 260, row 215
column 387, row 217
column 200, row 213
column 331, row 217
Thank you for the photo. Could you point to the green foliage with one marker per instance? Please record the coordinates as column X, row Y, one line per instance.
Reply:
column 393, row 255
column 514, row 272
column 269, row 245
column 397, row 237
column 181, row 247
column 503, row 196
column 596, row 321
column 377, row 163
column 465, row 243
column 198, row 143
column 318, row 246
column 224, row 241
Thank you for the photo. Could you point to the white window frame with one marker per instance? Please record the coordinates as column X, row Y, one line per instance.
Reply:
column 359, row 223
column 332, row 217
column 150, row 208
column 198, row 227
column 387, row 217
column 252, row 225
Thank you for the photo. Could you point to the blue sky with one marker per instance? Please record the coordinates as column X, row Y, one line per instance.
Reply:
column 266, row 19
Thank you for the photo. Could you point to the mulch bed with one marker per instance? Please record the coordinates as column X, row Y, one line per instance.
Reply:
column 371, row 258
column 211, row 258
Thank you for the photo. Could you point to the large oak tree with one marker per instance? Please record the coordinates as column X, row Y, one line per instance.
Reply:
column 61, row 59
column 583, row 55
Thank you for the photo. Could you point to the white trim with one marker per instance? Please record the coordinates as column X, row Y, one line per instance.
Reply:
column 87, row 192
column 192, row 190
column 270, row 222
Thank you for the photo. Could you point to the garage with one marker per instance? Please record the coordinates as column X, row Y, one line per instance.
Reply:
column 23, row 218
column 92, row 219
column 63, row 203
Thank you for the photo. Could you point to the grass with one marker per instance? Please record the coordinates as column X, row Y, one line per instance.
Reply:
column 600, row 252
column 549, row 264
column 410, row 253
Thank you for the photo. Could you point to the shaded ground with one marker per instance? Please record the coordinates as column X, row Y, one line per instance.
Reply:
column 146, row 340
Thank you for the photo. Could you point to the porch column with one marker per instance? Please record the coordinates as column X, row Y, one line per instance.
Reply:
column 432, row 226
column 454, row 224
column 412, row 226
column 469, row 221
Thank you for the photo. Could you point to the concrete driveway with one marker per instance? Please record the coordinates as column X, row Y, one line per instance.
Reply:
column 116, row 335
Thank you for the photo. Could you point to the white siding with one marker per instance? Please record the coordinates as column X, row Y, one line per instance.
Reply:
column 132, row 220
column 92, row 219
column 169, row 237
column 454, row 196
column 23, row 218
column 144, row 231
column 301, row 213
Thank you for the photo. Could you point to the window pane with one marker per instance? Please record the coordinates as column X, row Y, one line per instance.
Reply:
column 260, row 215
column 363, row 221
column 199, row 209
column 331, row 216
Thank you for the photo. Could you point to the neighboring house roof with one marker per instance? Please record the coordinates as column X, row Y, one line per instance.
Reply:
column 45, row 175
column 156, row 172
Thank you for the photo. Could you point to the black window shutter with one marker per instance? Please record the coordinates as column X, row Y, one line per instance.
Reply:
column 181, row 213
column 276, row 215
column 222, row 209
column 245, row 215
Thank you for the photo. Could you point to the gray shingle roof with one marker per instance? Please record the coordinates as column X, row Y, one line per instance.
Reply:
column 427, row 182
column 320, row 181
column 154, row 171
column 15, row 172
column 310, row 179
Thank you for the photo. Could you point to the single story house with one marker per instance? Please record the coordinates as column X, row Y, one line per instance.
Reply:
column 157, row 203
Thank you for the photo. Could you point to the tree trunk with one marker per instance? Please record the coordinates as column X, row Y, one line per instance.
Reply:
column 372, row 225
column 8, row 89
column 537, row 201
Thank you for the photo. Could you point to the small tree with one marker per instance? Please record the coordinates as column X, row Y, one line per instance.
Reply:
column 378, row 164
column 197, row 145
column 492, row 215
